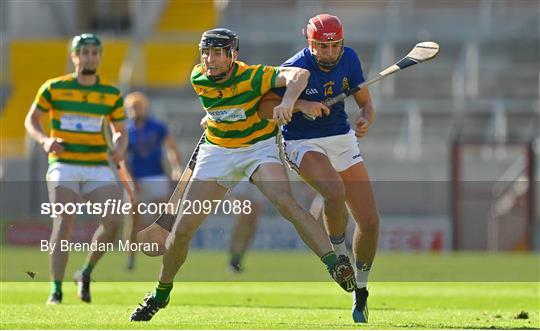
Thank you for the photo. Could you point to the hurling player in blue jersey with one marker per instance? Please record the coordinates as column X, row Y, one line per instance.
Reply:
column 325, row 150
column 147, row 137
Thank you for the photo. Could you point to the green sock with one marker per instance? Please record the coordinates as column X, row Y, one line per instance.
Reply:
column 236, row 258
column 162, row 292
column 56, row 286
column 87, row 269
column 329, row 259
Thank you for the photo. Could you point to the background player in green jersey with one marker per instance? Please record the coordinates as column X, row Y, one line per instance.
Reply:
column 239, row 145
column 77, row 106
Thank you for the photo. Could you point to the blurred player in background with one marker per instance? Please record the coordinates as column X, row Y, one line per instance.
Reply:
column 147, row 137
column 77, row 105
column 325, row 150
column 246, row 224
column 245, row 227
column 239, row 144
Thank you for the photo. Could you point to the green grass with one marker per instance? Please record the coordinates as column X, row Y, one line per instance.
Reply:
column 278, row 266
column 277, row 306
column 226, row 301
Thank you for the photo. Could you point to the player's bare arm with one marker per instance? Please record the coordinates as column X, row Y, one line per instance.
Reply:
column 295, row 79
column 120, row 141
column 364, row 102
column 311, row 108
column 173, row 155
column 34, row 128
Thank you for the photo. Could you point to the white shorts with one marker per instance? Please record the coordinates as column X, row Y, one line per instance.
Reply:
column 228, row 166
column 341, row 150
column 153, row 188
column 80, row 179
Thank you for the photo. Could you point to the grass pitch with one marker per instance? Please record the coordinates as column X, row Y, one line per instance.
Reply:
column 239, row 303
column 277, row 306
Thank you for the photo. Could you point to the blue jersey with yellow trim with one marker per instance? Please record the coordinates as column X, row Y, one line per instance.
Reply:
column 145, row 147
column 322, row 85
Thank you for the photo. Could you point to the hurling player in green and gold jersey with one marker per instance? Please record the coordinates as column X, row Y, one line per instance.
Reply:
column 76, row 106
column 239, row 144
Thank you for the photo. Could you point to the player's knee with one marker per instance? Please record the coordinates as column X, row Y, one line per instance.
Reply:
column 370, row 223
column 282, row 201
column 334, row 193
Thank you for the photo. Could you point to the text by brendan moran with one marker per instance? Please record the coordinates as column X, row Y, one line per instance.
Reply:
column 122, row 246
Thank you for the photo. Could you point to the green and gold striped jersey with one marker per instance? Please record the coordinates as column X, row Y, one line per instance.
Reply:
column 76, row 114
column 232, row 106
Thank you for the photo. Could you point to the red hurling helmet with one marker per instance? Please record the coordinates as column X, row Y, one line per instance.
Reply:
column 324, row 28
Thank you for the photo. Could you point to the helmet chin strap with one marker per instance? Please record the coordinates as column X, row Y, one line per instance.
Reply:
column 326, row 65
column 217, row 78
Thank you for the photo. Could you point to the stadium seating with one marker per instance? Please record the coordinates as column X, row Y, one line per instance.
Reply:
column 115, row 52
column 171, row 54
column 168, row 64
column 31, row 63
column 187, row 16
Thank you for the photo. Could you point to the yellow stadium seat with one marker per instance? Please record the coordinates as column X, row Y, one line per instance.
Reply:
column 169, row 64
column 114, row 55
column 188, row 16
column 32, row 62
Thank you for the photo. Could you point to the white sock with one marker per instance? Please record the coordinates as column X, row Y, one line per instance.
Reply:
column 362, row 274
column 339, row 245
